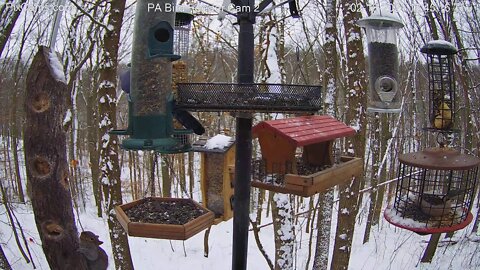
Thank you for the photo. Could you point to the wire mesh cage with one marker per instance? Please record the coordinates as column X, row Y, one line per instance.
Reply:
column 183, row 19
column 441, row 84
column 248, row 97
column 435, row 191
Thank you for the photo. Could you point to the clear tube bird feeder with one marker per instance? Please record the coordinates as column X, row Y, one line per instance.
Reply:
column 441, row 85
column 384, row 95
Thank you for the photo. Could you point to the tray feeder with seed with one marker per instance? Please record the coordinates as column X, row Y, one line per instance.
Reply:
column 164, row 218
column 315, row 170
column 436, row 187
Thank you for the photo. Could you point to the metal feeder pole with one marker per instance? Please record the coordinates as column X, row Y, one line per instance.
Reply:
column 243, row 155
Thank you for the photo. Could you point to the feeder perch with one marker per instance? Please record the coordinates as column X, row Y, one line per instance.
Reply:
column 150, row 125
column 435, row 192
column 164, row 218
column 217, row 181
column 280, row 170
column 441, row 85
column 384, row 95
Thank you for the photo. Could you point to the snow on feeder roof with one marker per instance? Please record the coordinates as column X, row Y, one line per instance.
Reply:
column 441, row 47
column 435, row 191
column 381, row 21
column 217, row 162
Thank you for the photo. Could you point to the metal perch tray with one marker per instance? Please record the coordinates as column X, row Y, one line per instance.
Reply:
column 248, row 97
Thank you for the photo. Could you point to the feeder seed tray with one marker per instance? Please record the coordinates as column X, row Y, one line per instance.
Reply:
column 164, row 218
column 308, row 185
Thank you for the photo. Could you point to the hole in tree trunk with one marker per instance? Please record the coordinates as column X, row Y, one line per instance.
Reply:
column 64, row 180
column 40, row 102
column 52, row 230
column 41, row 166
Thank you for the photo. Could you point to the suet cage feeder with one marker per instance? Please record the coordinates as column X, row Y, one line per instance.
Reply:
column 384, row 95
column 151, row 103
column 315, row 170
column 183, row 23
column 441, row 85
column 217, row 178
column 435, row 192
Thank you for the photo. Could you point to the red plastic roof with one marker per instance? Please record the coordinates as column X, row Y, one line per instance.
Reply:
column 306, row 130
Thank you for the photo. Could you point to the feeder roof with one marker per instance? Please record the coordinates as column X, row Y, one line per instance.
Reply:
column 439, row 47
column 381, row 22
column 306, row 130
column 440, row 159
column 183, row 15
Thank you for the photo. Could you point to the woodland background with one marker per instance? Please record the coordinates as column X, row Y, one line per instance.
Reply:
column 324, row 47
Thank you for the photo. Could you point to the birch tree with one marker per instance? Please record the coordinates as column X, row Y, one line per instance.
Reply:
column 330, row 85
column 109, row 163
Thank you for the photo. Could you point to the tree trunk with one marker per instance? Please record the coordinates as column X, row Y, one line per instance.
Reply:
column 282, row 215
column 109, row 164
column 46, row 161
column 4, row 264
column 8, row 18
column 330, row 85
column 376, row 160
column 355, row 117
column 93, row 138
column 324, row 222
column 431, row 248
column 166, row 181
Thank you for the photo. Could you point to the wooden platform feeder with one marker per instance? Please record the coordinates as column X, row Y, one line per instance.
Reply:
column 217, row 166
column 280, row 169
column 164, row 218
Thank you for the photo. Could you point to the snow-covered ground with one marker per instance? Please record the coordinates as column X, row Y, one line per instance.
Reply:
column 389, row 247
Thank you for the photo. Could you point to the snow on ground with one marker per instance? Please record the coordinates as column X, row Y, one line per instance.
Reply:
column 389, row 247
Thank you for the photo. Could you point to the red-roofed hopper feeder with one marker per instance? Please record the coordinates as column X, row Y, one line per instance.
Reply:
column 281, row 170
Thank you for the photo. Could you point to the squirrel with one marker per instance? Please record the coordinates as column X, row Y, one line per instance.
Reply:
column 96, row 257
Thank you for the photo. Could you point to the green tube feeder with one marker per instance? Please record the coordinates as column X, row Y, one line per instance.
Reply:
column 150, row 123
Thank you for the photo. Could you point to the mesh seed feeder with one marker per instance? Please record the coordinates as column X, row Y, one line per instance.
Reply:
column 436, row 187
column 183, row 23
column 384, row 95
column 441, row 86
column 150, row 124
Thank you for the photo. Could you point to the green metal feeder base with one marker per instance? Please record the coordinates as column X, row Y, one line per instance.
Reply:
column 163, row 145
